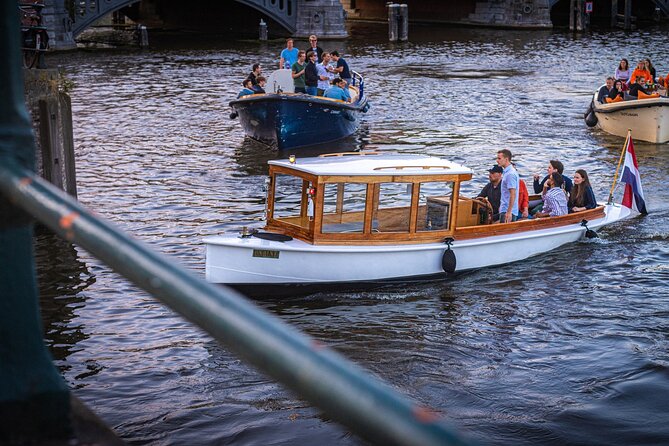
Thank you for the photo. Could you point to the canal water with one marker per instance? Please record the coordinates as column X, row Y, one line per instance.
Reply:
column 569, row 347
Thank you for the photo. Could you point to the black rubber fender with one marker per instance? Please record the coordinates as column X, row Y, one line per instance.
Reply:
column 591, row 119
column 448, row 261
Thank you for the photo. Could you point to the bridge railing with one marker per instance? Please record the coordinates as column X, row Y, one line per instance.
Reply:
column 326, row 379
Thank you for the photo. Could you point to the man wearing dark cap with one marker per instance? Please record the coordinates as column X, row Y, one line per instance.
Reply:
column 492, row 191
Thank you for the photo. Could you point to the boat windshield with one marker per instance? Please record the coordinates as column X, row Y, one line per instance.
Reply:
column 293, row 200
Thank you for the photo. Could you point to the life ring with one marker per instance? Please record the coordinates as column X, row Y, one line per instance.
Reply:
column 528, row 8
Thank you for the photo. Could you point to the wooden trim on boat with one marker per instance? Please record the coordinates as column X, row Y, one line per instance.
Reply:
column 471, row 232
column 328, row 155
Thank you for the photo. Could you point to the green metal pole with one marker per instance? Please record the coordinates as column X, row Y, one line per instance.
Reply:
column 34, row 400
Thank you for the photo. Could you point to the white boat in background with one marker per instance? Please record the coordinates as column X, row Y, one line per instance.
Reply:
column 648, row 118
column 371, row 218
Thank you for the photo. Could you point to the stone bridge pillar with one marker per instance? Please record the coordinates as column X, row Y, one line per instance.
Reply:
column 512, row 13
column 325, row 18
column 56, row 18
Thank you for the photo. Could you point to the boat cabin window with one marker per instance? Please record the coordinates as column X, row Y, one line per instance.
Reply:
column 293, row 203
column 434, row 206
column 344, row 207
column 392, row 207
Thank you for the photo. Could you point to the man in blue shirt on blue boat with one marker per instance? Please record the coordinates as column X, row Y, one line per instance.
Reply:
column 508, row 205
column 288, row 55
column 338, row 91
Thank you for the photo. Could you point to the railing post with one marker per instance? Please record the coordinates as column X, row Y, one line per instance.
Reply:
column 34, row 400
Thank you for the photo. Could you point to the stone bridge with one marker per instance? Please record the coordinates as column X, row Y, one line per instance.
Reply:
column 66, row 19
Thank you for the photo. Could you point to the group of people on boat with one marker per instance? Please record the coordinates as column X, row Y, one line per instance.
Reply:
column 314, row 72
column 629, row 84
column 509, row 199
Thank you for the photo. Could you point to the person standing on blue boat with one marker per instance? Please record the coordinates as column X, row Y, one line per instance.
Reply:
column 313, row 46
column 325, row 74
column 311, row 75
column 288, row 55
column 339, row 90
column 508, row 205
column 342, row 67
column 298, row 69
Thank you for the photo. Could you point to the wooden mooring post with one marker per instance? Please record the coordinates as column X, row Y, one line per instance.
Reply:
column 51, row 110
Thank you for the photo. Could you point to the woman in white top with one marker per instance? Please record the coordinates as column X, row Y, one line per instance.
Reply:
column 623, row 71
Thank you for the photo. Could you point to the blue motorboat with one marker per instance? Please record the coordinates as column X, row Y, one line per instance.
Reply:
column 291, row 120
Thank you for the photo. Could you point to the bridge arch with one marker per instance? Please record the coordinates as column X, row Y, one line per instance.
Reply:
column 85, row 12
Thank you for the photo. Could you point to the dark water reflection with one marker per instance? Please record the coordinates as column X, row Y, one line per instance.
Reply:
column 566, row 348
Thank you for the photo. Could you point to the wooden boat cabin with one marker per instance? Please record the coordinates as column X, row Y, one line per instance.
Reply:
column 373, row 198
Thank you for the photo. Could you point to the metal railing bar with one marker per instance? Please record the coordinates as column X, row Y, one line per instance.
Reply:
column 323, row 377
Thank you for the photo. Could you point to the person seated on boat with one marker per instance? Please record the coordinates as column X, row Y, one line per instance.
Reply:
column 338, row 91
column 247, row 90
column 260, row 88
column 256, row 70
column 636, row 87
column 617, row 93
column 651, row 69
column 555, row 199
column 288, row 55
column 492, row 191
column 605, row 90
column 508, row 203
column 640, row 70
column 623, row 72
column 342, row 67
column 311, row 74
column 582, row 197
column 553, row 166
column 325, row 74
column 523, row 197
column 297, row 70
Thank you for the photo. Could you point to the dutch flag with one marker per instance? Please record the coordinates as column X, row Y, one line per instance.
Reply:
column 633, row 196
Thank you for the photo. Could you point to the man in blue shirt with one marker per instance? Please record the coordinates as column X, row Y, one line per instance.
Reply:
column 508, row 205
column 288, row 55
column 338, row 91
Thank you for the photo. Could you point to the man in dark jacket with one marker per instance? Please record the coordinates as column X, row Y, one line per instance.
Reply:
column 492, row 191
column 311, row 74
column 553, row 165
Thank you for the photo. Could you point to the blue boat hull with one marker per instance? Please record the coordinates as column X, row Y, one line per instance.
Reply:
column 288, row 121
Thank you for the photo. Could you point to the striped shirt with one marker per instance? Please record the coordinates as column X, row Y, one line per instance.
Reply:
column 555, row 202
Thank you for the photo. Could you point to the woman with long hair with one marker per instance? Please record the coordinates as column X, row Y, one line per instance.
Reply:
column 650, row 68
column 582, row 197
column 617, row 90
column 623, row 71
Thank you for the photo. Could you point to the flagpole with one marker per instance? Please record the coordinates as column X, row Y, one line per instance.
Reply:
column 620, row 161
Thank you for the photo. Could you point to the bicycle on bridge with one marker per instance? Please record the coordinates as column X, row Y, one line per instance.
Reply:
column 34, row 37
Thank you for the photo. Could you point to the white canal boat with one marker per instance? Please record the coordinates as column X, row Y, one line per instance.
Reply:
column 364, row 218
column 648, row 118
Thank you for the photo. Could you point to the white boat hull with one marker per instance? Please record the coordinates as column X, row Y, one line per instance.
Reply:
column 648, row 119
column 254, row 261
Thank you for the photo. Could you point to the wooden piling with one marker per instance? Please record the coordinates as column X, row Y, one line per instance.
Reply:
column 393, row 19
column 628, row 14
column 614, row 13
column 51, row 111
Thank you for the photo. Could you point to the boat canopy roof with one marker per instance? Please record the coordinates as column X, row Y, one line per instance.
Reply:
column 373, row 164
